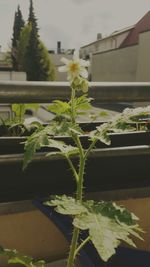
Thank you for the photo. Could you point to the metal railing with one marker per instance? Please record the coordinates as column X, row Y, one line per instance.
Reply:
column 45, row 92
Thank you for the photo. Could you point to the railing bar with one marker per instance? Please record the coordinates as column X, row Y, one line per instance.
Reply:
column 45, row 92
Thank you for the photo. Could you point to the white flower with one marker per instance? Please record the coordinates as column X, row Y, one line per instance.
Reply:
column 75, row 67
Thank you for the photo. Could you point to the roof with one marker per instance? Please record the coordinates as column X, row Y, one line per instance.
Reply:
column 122, row 30
column 115, row 33
column 142, row 25
column 132, row 38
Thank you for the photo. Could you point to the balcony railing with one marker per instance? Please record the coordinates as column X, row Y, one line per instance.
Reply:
column 45, row 92
column 129, row 165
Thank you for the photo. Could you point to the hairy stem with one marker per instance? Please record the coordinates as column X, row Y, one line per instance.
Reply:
column 72, row 105
column 73, row 246
column 79, row 193
column 90, row 148
column 73, row 169
column 82, row 245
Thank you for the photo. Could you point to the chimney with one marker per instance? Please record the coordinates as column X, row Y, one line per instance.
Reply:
column 58, row 47
column 99, row 36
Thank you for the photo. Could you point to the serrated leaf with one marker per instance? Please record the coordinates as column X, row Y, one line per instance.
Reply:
column 105, row 233
column 59, row 107
column 34, row 143
column 111, row 210
column 83, row 103
column 63, row 128
column 66, row 150
column 66, row 205
column 108, row 224
column 102, row 134
column 15, row 257
column 41, row 139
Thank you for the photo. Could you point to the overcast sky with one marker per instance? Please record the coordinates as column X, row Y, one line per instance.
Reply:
column 73, row 22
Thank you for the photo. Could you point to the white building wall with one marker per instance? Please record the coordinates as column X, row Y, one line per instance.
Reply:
column 12, row 76
column 112, row 42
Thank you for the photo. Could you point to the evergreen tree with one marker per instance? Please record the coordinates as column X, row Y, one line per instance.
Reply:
column 46, row 70
column 18, row 25
column 22, row 45
column 28, row 53
column 38, row 64
column 32, row 57
column 32, row 19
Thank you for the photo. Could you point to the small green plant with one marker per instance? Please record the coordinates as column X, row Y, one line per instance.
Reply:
column 14, row 257
column 107, row 224
column 15, row 125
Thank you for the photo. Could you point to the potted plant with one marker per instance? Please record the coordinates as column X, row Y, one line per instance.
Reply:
column 106, row 223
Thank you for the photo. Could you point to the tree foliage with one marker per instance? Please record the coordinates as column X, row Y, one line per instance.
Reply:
column 46, row 68
column 32, row 18
column 38, row 63
column 22, row 46
column 17, row 27
column 29, row 54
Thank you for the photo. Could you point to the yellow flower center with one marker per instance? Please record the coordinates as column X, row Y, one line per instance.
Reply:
column 74, row 67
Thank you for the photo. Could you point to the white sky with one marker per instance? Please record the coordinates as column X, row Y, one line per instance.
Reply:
column 73, row 22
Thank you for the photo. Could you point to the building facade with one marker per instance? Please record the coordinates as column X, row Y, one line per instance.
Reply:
column 124, row 58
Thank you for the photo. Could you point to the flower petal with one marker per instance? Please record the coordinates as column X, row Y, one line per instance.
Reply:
column 62, row 69
column 76, row 55
column 65, row 60
column 84, row 73
column 84, row 63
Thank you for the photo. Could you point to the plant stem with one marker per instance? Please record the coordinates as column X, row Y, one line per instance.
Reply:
column 82, row 245
column 90, row 148
column 72, row 105
column 73, row 169
column 73, row 246
column 79, row 193
column 79, row 178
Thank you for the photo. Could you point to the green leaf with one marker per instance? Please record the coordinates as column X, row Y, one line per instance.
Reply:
column 106, row 234
column 43, row 138
column 15, row 257
column 83, row 103
column 64, row 108
column 107, row 223
column 64, row 128
column 102, row 134
column 66, row 150
column 19, row 110
column 66, row 205
column 33, row 106
column 112, row 210
column 59, row 107
column 34, row 143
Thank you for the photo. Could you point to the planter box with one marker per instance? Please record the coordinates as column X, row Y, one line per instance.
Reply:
column 123, row 164
column 107, row 169
column 14, row 145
